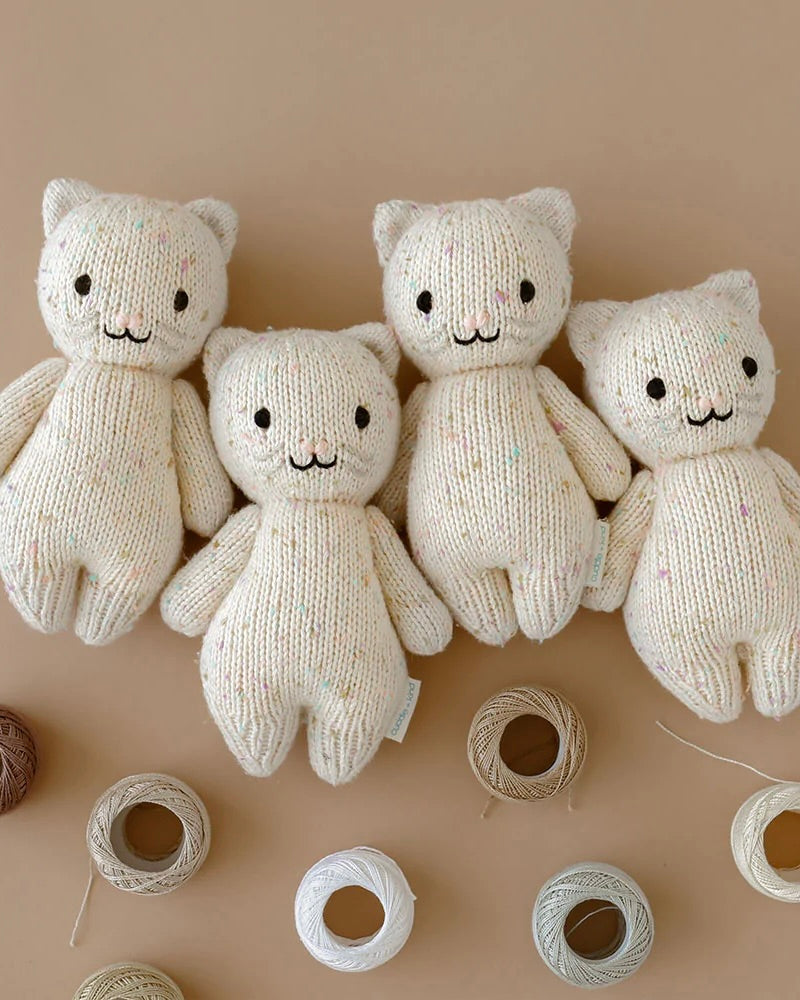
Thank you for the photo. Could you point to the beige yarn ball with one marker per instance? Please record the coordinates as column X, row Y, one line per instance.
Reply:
column 486, row 732
column 129, row 981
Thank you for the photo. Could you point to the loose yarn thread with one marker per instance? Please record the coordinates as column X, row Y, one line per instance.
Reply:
column 750, row 823
column 378, row 874
column 486, row 732
column 128, row 981
column 747, row 839
column 18, row 759
column 561, row 894
column 112, row 857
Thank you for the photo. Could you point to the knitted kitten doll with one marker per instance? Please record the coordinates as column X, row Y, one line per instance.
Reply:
column 706, row 541
column 496, row 454
column 104, row 455
column 306, row 593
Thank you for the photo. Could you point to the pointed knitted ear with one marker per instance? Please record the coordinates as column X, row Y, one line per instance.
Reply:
column 553, row 207
column 391, row 220
column 60, row 197
column 738, row 286
column 381, row 341
column 586, row 323
column 219, row 347
column 221, row 219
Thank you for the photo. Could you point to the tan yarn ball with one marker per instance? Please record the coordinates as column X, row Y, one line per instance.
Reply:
column 126, row 871
column 18, row 759
column 128, row 981
column 486, row 732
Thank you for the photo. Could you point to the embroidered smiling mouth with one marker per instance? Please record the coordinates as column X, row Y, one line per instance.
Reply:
column 126, row 335
column 711, row 415
column 477, row 336
column 314, row 462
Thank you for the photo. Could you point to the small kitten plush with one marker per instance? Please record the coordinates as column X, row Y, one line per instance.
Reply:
column 497, row 457
column 104, row 454
column 705, row 545
column 307, row 593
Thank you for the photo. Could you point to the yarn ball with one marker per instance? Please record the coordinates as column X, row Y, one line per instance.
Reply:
column 128, row 981
column 18, row 759
column 118, row 864
column 486, row 732
column 561, row 894
column 747, row 839
column 373, row 871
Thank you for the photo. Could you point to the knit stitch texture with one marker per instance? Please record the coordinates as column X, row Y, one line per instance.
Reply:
column 306, row 594
column 704, row 547
column 496, row 454
column 104, row 456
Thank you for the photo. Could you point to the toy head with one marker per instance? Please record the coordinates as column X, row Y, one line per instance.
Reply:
column 132, row 281
column 304, row 414
column 476, row 284
column 681, row 373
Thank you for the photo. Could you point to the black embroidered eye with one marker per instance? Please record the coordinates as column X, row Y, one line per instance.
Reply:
column 526, row 290
column 656, row 388
column 362, row 417
column 750, row 367
column 262, row 419
column 181, row 301
column 425, row 302
column 83, row 284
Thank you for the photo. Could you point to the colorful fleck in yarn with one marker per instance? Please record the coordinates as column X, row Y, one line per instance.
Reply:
column 575, row 885
column 306, row 594
column 496, row 454
column 18, row 759
column 128, row 981
column 104, row 455
column 704, row 547
column 371, row 870
column 486, row 732
column 112, row 857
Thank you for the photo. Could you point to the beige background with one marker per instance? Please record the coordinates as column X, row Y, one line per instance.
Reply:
column 674, row 125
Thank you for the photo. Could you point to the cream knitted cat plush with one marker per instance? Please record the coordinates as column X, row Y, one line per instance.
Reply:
column 104, row 455
column 306, row 593
column 496, row 454
column 706, row 542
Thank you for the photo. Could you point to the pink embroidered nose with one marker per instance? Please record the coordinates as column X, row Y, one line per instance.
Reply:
column 475, row 322
column 323, row 447
column 307, row 445
column 128, row 321
column 708, row 402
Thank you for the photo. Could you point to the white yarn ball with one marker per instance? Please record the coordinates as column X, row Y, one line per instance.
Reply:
column 561, row 894
column 378, row 874
column 747, row 839
column 128, row 981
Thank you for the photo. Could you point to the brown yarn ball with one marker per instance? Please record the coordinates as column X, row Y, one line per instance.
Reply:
column 18, row 759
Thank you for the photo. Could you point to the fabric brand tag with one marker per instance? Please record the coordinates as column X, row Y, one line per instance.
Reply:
column 399, row 727
column 599, row 552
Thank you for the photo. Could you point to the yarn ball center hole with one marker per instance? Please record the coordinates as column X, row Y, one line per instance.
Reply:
column 147, row 836
column 354, row 914
column 594, row 929
column 529, row 745
column 782, row 843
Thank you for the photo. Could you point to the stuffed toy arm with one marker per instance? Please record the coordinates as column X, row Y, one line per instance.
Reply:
column 22, row 404
column 628, row 525
column 195, row 593
column 788, row 481
column 206, row 493
column 423, row 623
column 598, row 457
column 392, row 496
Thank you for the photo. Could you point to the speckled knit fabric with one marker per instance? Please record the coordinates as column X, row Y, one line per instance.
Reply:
column 104, row 456
column 496, row 455
column 307, row 593
column 708, row 535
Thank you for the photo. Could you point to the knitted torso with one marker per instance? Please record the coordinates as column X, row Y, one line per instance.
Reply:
column 490, row 482
column 722, row 556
